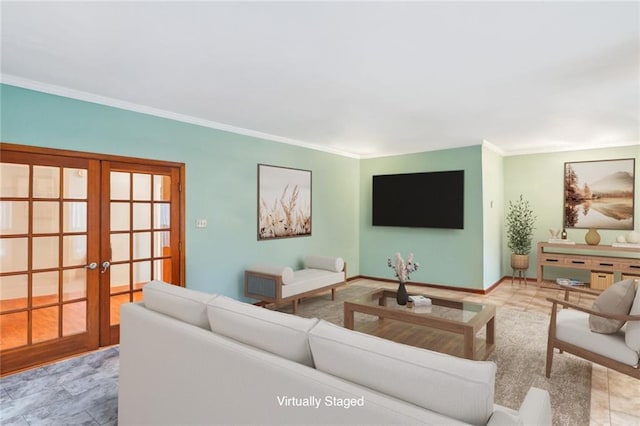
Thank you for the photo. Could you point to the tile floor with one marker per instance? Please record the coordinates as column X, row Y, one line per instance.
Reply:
column 77, row 391
column 615, row 397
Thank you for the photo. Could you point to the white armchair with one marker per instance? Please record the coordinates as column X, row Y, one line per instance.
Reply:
column 569, row 331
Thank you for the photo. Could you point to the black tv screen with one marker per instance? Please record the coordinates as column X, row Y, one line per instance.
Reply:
column 421, row 200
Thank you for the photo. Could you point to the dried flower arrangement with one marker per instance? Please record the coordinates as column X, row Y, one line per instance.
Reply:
column 402, row 269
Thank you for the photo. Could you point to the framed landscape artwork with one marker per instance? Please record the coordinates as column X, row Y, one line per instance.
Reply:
column 599, row 194
column 284, row 202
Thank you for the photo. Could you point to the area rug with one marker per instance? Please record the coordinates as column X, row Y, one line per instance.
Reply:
column 520, row 354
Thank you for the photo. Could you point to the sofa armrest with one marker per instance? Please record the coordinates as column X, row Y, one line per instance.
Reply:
column 263, row 285
column 534, row 411
column 536, row 408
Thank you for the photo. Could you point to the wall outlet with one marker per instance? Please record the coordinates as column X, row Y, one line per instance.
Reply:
column 201, row 223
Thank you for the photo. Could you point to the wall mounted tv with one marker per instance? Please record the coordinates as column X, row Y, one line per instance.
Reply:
column 420, row 200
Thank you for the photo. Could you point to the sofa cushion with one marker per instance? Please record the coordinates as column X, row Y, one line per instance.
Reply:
column 276, row 332
column 311, row 279
column 617, row 299
column 455, row 387
column 632, row 334
column 328, row 263
column 178, row 302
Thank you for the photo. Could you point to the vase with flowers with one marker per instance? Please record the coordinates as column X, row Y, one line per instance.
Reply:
column 402, row 270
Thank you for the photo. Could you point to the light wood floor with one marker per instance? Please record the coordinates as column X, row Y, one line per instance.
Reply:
column 615, row 397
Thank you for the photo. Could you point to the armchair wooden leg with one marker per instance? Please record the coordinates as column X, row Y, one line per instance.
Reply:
column 549, row 359
column 551, row 339
column 295, row 306
column 333, row 294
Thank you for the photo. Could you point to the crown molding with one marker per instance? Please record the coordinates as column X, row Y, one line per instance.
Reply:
column 66, row 92
column 143, row 109
column 494, row 148
column 584, row 147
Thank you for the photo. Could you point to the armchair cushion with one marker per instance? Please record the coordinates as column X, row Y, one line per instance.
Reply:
column 632, row 334
column 617, row 299
column 572, row 326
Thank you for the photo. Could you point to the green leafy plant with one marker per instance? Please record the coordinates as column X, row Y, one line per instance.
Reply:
column 520, row 226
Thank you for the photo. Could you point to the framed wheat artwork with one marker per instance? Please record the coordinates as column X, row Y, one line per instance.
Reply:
column 599, row 194
column 284, row 202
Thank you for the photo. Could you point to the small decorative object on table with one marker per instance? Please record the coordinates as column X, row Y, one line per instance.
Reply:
column 569, row 282
column 420, row 300
column 592, row 238
column 402, row 271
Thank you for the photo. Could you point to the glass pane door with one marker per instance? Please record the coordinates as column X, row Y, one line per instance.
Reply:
column 142, row 202
column 48, row 291
column 79, row 236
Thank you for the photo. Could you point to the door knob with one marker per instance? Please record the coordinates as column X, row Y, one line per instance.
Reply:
column 105, row 266
column 92, row 265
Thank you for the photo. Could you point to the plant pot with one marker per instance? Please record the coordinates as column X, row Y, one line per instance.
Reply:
column 520, row 261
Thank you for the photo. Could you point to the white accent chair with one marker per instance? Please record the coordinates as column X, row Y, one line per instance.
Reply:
column 569, row 331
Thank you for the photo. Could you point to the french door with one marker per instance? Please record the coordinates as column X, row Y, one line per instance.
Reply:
column 139, row 224
column 80, row 234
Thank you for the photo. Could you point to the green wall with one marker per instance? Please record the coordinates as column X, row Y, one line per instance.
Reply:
column 221, row 186
column 540, row 179
column 493, row 217
column 448, row 257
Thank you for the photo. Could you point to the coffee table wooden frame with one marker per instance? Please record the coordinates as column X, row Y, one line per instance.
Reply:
column 485, row 317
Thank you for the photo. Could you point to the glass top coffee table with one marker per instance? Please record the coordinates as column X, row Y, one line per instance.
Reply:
column 454, row 316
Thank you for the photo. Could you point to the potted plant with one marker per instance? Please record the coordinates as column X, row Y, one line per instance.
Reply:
column 520, row 226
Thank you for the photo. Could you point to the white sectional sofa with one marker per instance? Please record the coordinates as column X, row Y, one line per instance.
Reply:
column 280, row 284
column 191, row 358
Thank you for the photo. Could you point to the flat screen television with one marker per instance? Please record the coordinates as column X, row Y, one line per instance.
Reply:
column 420, row 200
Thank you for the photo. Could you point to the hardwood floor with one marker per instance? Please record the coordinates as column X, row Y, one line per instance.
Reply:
column 615, row 397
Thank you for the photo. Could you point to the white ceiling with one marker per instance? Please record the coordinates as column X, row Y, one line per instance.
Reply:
column 360, row 79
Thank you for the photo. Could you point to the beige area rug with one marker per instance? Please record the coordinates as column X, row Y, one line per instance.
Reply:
column 520, row 354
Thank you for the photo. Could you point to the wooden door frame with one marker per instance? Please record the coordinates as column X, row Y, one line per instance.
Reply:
column 93, row 221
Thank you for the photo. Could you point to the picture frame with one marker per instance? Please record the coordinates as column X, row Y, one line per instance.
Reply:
column 599, row 194
column 284, row 202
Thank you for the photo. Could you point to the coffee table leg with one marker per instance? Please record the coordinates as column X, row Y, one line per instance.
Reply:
column 348, row 317
column 469, row 343
column 491, row 331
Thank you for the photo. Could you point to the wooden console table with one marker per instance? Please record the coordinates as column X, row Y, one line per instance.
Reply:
column 625, row 260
